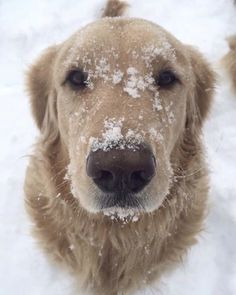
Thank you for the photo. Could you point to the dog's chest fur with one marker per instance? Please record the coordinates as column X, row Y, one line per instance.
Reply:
column 107, row 254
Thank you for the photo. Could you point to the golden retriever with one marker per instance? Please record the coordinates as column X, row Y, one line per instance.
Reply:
column 229, row 61
column 117, row 186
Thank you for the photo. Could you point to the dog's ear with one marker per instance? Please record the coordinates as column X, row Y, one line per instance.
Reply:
column 200, row 98
column 114, row 8
column 39, row 86
column 228, row 62
column 232, row 42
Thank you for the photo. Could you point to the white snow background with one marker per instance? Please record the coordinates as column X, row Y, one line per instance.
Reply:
column 26, row 27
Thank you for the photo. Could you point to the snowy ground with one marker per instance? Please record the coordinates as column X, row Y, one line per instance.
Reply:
column 26, row 27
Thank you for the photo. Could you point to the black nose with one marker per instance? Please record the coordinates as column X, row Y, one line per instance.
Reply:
column 121, row 170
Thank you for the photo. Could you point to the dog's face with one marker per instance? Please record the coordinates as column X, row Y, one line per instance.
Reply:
column 121, row 93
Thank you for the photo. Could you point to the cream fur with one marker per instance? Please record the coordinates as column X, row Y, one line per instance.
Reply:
column 229, row 62
column 110, row 257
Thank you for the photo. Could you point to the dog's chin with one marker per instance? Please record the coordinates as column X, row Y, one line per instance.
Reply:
column 120, row 206
column 121, row 200
column 123, row 214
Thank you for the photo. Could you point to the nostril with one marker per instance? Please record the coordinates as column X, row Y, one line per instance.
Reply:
column 146, row 176
column 105, row 180
column 138, row 180
column 143, row 175
column 106, row 175
column 138, row 175
column 121, row 170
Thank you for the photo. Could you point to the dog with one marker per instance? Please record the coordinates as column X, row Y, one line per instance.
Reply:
column 229, row 62
column 117, row 186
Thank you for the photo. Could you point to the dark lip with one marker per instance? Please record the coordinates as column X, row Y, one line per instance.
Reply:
column 124, row 200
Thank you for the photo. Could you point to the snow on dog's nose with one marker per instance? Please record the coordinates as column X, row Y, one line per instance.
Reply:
column 121, row 170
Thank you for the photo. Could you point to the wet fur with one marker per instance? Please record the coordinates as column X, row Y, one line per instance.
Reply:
column 110, row 257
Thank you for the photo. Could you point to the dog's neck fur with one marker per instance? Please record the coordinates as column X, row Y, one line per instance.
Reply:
column 103, row 252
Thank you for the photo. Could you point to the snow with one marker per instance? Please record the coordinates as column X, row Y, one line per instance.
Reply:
column 28, row 27
column 155, row 135
column 151, row 52
column 136, row 82
column 113, row 137
column 123, row 215
column 157, row 103
column 117, row 77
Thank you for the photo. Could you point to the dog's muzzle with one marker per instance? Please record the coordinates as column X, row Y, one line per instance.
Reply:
column 121, row 172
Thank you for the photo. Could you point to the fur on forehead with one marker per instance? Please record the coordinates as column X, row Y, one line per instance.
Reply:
column 106, row 36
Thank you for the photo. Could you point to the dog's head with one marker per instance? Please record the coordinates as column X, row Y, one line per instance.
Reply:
column 120, row 95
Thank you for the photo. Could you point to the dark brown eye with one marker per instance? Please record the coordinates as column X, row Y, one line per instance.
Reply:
column 77, row 79
column 166, row 78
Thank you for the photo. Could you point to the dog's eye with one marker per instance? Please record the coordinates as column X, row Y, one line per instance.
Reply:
column 77, row 79
column 166, row 78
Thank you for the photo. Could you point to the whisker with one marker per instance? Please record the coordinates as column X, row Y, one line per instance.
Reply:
column 190, row 174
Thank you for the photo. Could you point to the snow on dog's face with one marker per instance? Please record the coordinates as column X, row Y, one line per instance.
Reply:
column 122, row 90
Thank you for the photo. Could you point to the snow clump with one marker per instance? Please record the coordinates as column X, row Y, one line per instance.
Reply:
column 112, row 137
column 122, row 214
column 136, row 82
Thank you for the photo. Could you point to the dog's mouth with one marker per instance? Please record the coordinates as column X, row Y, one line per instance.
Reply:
column 122, row 214
column 120, row 199
column 124, row 206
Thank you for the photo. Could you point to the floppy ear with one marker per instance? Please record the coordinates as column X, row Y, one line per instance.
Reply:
column 232, row 42
column 200, row 98
column 114, row 8
column 229, row 62
column 39, row 86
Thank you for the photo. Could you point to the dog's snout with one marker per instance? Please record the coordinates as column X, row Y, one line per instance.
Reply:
column 121, row 170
